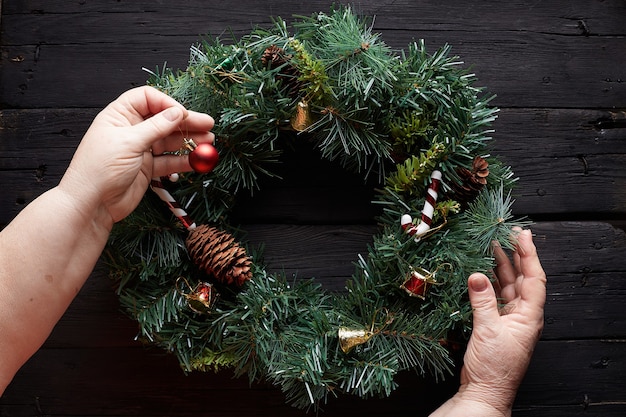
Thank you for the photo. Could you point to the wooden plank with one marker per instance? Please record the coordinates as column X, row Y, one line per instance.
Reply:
column 595, row 310
column 141, row 382
column 559, row 132
column 570, row 132
column 580, row 373
column 560, row 71
column 560, row 157
column 562, row 68
column 576, row 17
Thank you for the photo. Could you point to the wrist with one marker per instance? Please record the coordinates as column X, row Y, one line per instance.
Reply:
column 463, row 405
column 475, row 400
column 495, row 399
column 85, row 203
column 460, row 407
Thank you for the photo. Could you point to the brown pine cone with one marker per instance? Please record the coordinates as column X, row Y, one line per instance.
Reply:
column 216, row 252
column 480, row 170
column 472, row 182
column 275, row 57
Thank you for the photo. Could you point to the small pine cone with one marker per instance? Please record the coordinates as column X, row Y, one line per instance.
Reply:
column 472, row 182
column 216, row 252
column 275, row 57
column 480, row 170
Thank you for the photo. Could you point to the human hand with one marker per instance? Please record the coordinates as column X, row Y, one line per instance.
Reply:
column 503, row 337
column 66, row 228
column 123, row 149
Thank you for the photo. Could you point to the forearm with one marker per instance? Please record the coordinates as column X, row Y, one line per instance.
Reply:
column 46, row 254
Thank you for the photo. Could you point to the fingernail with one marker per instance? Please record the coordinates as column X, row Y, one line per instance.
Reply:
column 172, row 114
column 479, row 283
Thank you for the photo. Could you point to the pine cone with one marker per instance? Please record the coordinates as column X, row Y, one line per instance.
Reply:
column 216, row 252
column 472, row 182
column 274, row 57
column 480, row 169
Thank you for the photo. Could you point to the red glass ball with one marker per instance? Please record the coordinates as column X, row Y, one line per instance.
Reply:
column 203, row 158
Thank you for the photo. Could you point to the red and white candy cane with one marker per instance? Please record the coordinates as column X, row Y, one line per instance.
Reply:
column 157, row 186
column 423, row 225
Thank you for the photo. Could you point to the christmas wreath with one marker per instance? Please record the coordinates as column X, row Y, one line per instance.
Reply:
column 411, row 119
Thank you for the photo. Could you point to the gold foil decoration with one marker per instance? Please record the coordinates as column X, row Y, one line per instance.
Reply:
column 302, row 119
column 350, row 338
column 201, row 298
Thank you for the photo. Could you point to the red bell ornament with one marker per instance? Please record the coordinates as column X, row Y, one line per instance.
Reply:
column 203, row 157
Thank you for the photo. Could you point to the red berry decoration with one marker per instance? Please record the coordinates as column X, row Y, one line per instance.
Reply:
column 203, row 158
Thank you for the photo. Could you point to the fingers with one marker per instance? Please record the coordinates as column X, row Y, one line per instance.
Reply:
column 155, row 116
column 175, row 141
column 524, row 279
column 165, row 131
column 483, row 300
column 158, row 127
column 528, row 260
column 504, row 271
column 167, row 164
column 147, row 101
column 197, row 122
column 533, row 287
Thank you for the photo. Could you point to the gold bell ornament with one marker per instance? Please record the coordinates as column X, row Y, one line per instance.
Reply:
column 302, row 119
column 350, row 338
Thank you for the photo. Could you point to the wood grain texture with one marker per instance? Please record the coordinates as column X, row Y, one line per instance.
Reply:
column 569, row 161
column 567, row 58
column 557, row 69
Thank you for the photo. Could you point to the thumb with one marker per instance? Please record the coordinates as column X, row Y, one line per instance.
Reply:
column 160, row 125
column 483, row 300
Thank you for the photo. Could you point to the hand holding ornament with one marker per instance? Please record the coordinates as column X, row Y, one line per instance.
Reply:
column 130, row 142
column 65, row 229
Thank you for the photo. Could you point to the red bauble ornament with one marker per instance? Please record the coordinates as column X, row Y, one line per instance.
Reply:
column 203, row 158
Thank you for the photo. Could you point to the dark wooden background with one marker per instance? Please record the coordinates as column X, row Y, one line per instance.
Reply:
column 558, row 69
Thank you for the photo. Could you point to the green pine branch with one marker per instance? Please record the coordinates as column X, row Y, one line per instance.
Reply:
column 489, row 218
